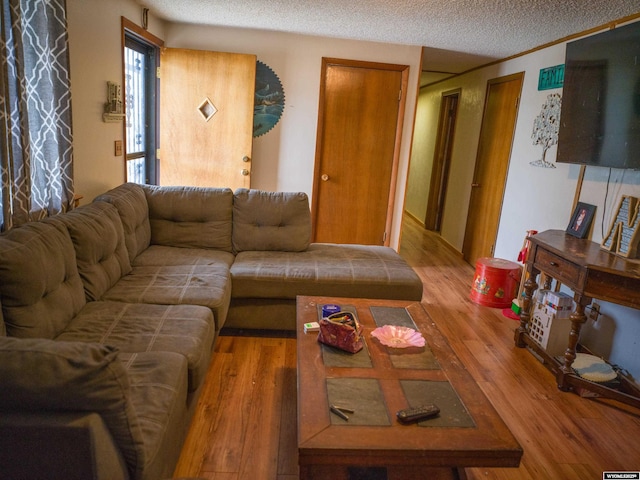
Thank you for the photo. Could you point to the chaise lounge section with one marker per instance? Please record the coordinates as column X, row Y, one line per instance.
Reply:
column 110, row 314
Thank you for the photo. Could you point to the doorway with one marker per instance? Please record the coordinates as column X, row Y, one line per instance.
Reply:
column 357, row 150
column 492, row 162
column 441, row 160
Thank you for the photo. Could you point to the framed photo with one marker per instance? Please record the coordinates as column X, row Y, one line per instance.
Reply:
column 581, row 220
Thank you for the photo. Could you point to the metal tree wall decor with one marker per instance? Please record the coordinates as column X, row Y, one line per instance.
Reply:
column 545, row 128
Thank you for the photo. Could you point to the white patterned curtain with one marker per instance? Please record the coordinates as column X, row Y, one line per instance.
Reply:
column 35, row 112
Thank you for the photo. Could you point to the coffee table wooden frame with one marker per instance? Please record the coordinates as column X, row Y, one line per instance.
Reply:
column 327, row 451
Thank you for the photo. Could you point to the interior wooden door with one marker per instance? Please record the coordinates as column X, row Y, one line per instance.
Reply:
column 492, row 162
column 206, row 118
column 441, row 161
column 359, row 130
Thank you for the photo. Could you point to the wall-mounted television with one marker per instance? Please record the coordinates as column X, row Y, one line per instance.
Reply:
column 600, row 115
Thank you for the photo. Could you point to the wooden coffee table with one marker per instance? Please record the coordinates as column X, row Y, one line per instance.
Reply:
column 376, row 383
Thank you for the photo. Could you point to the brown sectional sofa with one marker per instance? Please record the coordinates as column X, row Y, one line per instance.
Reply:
column 110, row 314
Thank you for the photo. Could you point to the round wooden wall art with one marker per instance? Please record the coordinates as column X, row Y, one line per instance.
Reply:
column 269, row 100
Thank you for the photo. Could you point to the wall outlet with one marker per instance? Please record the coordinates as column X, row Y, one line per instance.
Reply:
column 117, row 148
column 594, row 312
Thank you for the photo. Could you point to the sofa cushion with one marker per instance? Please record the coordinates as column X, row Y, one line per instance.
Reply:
column 270, row 221
column 131, row 203
column 190, row 216
column 98, row 239
column 135, row 327
column 157, row 255
column 325, row 270
column 71, row 376
column 40, row 286
column 158, row 389
column 205, row 285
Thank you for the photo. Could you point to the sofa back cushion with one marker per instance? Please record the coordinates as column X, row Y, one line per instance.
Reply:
column 98, row 238
column 195, row 217
column 271, row 221
column 71, row 376
column 131, row 203
column 40, row 286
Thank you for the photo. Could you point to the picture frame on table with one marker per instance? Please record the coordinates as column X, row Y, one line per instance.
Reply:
column 581, row 220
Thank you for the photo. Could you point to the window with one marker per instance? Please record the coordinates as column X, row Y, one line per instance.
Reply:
column 140, row 64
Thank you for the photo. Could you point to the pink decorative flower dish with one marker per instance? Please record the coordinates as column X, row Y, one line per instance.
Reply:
column 398, row 337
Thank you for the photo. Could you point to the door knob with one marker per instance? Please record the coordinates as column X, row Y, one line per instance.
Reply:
column 324, row 177
column 245, row 172
column 245, row 159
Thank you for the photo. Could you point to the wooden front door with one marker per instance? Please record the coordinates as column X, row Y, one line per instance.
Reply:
column 492, row 162
column 206, row 118
column 358, row 141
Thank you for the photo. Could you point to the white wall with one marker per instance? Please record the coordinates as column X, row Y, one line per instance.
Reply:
column 424, row 137
column 535, row 198
column 95, row 53
column 283, row 159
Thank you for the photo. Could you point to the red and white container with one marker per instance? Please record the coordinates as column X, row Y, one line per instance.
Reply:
column 495, row 283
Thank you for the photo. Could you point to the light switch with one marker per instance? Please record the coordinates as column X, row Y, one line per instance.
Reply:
column 118, row 148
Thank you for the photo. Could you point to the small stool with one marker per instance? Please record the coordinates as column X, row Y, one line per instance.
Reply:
column 495, row 283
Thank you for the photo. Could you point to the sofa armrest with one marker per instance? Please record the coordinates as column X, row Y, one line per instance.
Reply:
column 58, row 445
column 72, row 377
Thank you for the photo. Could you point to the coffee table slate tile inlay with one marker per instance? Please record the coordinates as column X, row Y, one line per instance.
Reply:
column 452, row 412
column 404, row 357
column 363, row 395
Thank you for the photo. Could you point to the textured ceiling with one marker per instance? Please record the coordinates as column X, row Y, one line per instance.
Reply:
column 459, row 34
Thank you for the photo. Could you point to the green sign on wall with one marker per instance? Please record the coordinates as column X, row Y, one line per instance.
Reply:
column 551, row 77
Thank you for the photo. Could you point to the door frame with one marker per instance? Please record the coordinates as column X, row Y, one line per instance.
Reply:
column 404, row 70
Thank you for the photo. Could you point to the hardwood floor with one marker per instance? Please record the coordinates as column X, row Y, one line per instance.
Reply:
column 245, row 425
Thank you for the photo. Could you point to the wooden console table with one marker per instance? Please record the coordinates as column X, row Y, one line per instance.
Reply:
column 590, row 272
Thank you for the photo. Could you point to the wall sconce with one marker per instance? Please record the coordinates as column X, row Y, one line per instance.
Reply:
column 113, row 107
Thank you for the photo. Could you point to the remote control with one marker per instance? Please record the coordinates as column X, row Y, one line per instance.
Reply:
column 416, row 414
